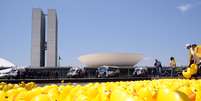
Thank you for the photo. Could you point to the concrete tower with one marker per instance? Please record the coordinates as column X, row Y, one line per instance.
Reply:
column 52, row 38
column 38, row 38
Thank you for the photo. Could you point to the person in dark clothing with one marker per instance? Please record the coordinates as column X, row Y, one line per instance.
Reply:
column 158, row 66
column 172, row 65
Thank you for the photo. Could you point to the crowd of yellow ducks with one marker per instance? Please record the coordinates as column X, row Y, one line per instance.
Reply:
column 146, row 90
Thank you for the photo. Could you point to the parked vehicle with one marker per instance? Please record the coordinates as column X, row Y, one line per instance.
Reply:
column 9, row 72
column 140, row 72
column 107, row 71
column 76, row 72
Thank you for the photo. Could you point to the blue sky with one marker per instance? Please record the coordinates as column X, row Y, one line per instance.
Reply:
column 157, row 28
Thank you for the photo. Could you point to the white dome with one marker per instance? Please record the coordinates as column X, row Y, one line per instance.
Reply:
column 117, row 59
column 6, row 63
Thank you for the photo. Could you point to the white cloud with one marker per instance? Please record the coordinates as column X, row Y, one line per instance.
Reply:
column 184, row 7
column 188, row 6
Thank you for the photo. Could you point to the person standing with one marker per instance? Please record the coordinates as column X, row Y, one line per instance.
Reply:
column 158, row 66
column 193, row 57
column 172, row 65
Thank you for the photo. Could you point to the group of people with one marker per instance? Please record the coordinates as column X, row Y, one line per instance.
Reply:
column 194, row 58
column 172, row 65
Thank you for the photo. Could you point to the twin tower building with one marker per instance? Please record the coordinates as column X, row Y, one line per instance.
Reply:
column 44, row 38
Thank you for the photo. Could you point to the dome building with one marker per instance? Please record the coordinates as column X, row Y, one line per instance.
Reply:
column 111, row 59
column 6, row 63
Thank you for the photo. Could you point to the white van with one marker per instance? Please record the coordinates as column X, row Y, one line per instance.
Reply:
column 9, row 72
